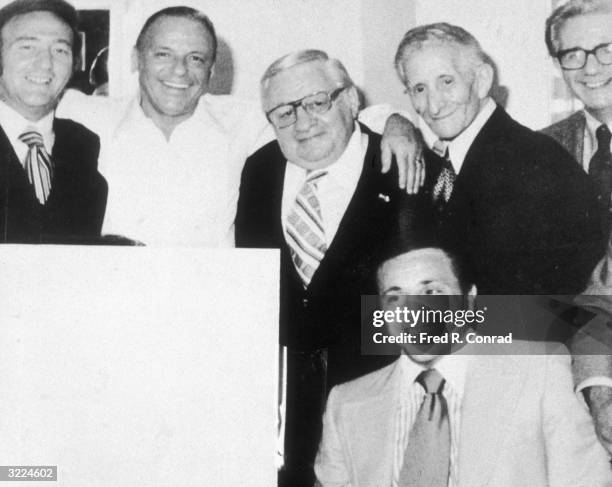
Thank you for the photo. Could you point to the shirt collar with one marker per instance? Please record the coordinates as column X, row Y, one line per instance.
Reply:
column 460, row 145
column 15, row 124
column 452, row 367
column 347, row 169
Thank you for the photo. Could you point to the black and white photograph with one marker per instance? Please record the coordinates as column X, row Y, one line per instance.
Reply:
column 306, row 243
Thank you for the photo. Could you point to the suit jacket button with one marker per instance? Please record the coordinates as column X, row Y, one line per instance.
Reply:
column 305, row 302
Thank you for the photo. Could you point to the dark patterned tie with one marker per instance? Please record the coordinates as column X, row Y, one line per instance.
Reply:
column 38, row 165
column 427, row 456
column 443, row 188
column 305, row 231
column 600, row 170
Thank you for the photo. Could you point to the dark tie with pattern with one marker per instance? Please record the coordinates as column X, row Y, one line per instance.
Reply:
column 427, row 456
column 38, row 165
column 600, row 170
column 443, row 188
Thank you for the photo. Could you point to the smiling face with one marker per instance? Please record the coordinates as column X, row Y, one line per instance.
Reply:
column 174, row 68
column 36, row 63
column 313, row 141
column 593, row 83
column 446, row 88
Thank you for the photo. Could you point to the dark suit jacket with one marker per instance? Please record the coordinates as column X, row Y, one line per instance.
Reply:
column 75, row 208
column 327, row 314
column 522, row 211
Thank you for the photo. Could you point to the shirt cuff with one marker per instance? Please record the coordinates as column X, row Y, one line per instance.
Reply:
column 597, row 380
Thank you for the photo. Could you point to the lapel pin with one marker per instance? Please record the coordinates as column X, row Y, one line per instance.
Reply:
column 384, row 197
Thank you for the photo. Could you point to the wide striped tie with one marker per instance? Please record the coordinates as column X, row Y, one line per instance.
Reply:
column 38, row 165
column 443, row 188
column 305, row 231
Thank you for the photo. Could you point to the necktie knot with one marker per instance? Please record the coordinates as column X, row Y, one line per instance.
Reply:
column 603, row 137
column 314, row 177
column 32, row 138
column 440, row 148
column 432, row 381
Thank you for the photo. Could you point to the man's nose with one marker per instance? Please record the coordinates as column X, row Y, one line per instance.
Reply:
column 180, row 66
column 435, row 102
column 303, row 120
column 44, row 58
column 591, row 64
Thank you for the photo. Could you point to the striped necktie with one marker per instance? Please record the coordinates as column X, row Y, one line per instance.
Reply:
column 427, row 457
column 38, row 165
column 443, row 188
column 305, row 231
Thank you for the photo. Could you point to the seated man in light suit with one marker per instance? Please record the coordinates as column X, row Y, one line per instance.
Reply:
column 512, row 199
column 506, row 418
column 317, row 194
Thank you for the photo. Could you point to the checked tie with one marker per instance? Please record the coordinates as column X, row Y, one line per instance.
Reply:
column 427, row 456
column 600, row 170
column 305, row 231
column 38, row 165
column 443, row 188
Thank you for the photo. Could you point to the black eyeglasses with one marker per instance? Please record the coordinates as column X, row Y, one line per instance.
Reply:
column 576, row 58
column 285, row 115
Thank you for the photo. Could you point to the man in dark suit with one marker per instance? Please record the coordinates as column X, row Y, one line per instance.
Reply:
column 512, row 200
column 317, row 194
column 50, row 189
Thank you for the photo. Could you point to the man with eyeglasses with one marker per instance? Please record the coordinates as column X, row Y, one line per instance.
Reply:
column 579, row 36
column 317, row 194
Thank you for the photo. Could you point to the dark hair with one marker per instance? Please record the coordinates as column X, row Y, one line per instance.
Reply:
column 184, row 12
column 61, row 9
column 424, row 238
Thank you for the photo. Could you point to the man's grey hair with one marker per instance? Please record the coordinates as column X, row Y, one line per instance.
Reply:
column 570, row 9
column 440, row 32
column 334, row 67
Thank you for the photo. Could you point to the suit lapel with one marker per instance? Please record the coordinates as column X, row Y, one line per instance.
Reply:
column 493, row 386
column 370, row 428
column 14, row 176
column 365, row 204
column 577, row 139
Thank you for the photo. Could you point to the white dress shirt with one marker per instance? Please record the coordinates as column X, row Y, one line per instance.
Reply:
column 460, row 145
column 14, row 124
column 334, row 190
column 453, row 368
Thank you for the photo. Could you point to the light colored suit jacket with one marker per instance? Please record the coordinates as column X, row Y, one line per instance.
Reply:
column 521, row 425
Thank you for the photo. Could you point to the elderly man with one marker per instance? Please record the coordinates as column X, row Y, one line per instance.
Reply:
column 579, row 37
column 49, row 185
column 509, row 198
column 499, row 416
column 185, row 147
column 317, row 194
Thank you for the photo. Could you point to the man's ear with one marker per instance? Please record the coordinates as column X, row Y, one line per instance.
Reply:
column 135, row 60
column 352, row 99
column 471, row 296
column 484, row 80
